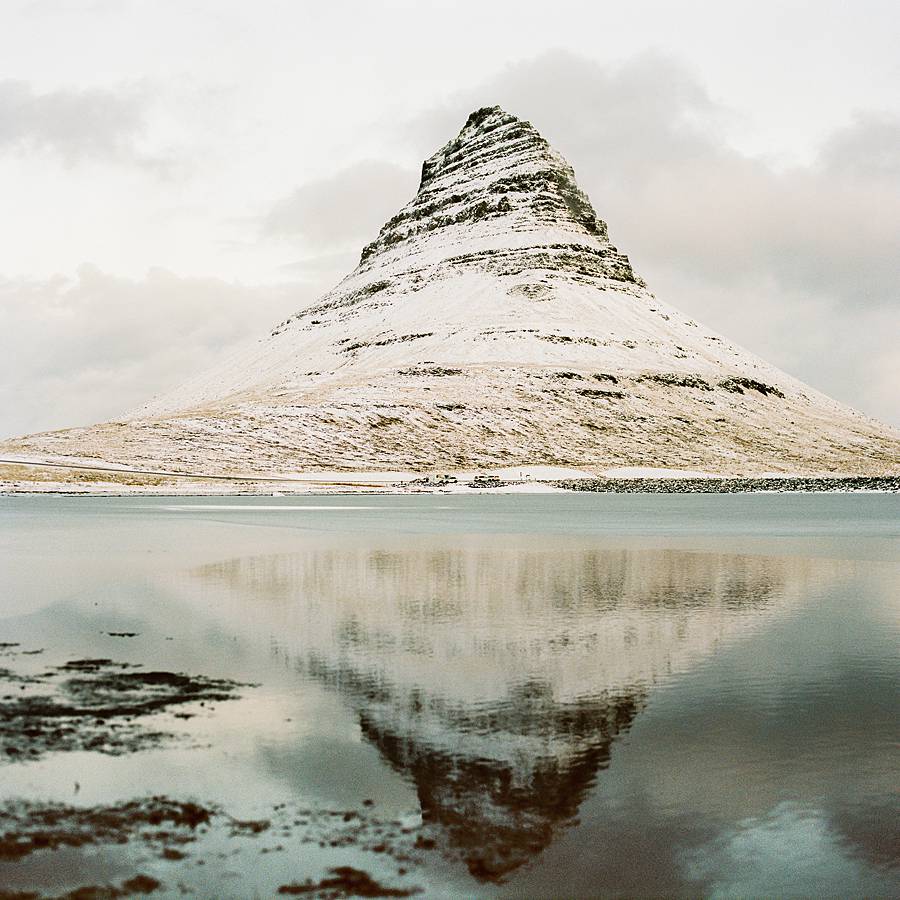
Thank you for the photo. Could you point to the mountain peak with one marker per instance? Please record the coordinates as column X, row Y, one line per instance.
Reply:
column 468, row 142
column 499, row 177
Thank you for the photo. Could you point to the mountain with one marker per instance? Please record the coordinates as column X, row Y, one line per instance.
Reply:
column 490, row 323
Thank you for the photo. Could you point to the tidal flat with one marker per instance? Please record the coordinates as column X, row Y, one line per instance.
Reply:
column 449, row 695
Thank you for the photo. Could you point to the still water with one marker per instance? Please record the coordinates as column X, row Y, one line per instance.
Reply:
column 541, row 695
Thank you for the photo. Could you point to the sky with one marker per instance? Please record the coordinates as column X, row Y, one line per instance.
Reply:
column 176, row 176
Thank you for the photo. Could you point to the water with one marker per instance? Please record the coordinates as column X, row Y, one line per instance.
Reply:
column 554, row 695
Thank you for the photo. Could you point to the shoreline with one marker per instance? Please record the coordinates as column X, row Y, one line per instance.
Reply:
column 852, row 484
column 99, row 478
column 706, row 485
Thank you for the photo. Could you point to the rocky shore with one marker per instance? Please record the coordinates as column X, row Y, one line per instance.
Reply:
column 889, row 483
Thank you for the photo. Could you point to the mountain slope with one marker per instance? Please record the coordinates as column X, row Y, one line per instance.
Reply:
column 490, row 323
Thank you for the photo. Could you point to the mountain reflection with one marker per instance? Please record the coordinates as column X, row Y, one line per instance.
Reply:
column 497, row 674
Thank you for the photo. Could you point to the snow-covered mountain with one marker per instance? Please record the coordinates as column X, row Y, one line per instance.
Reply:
column 490, row 323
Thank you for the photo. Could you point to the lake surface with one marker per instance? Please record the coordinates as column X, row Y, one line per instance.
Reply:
column 497, row 695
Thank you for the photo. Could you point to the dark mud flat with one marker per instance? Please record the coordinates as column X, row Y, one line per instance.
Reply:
column 345, row 881
column 104, row 706
column 95, row 704
column 729, row 485
column 131, row 887
column 185, row 834
column 27, row 828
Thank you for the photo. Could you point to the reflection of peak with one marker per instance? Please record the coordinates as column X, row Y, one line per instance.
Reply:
column 497, row 674
column 500, row 778
column 494, row 815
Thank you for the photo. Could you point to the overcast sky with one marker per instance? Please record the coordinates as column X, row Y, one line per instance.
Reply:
column 178, row 175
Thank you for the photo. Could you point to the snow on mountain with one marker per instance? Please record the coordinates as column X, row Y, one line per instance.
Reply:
column 490, row 323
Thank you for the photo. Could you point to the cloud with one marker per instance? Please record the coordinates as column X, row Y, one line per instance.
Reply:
column 865, row 149
column 83, row 125
column 800, row 263
column 348, row 207
column 613, row 113
column 74, row 124
column 775, row 855
column 107, row 344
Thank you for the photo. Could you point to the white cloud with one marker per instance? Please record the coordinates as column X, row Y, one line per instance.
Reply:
column 88, row 349
column 867, row 148
column 89, row 123
column 347, row 207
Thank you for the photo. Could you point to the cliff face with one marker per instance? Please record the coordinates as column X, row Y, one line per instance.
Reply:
column 490, row 323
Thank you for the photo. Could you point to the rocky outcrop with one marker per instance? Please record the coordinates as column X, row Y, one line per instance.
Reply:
column 500, row 173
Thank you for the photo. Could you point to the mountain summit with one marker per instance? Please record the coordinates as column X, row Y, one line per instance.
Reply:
column 490, row 323
column 502, row 176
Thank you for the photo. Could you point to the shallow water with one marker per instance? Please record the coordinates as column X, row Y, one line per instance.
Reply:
column 552, row 694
